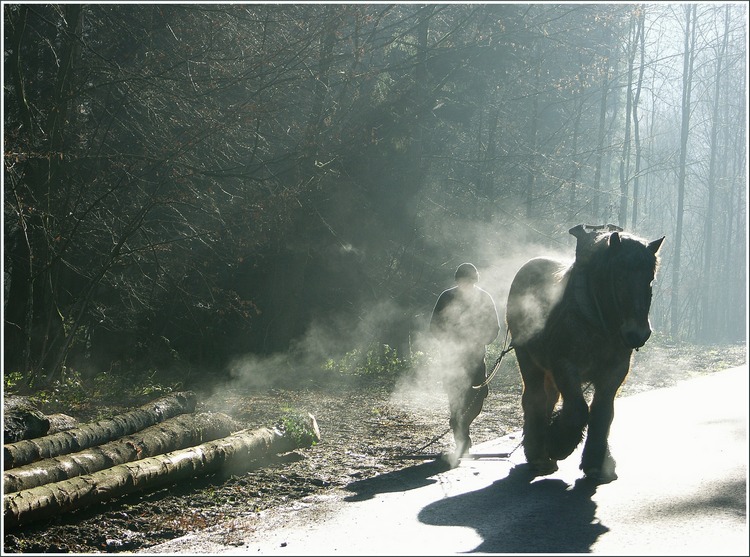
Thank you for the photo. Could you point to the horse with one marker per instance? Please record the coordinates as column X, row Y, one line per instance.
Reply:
column 576, row 323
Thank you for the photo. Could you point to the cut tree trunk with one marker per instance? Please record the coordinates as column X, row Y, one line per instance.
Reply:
column 61, row 422
column 90, row 435
column 175, row 433
column 233, row 454
column 22, row 420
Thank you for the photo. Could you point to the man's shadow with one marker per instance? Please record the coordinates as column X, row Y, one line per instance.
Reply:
column 524, row 514
column 405, row 479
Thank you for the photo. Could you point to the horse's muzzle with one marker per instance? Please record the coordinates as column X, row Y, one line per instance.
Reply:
column 635, row 338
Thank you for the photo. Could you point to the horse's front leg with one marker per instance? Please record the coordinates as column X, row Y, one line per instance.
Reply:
column 567, row 427
column 538, row 399
column 597, row 462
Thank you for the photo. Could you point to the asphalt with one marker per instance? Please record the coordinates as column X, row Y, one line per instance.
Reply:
column 682, row 459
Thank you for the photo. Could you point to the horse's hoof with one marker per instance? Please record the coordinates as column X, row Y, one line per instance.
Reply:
column 600, row 476
column 463, row 446
column 543, row 466
column 451, row 459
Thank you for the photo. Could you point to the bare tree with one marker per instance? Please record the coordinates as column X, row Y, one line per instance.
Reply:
column 708, row 324
column 641, row 32
column 624, row 166
column 687, row 84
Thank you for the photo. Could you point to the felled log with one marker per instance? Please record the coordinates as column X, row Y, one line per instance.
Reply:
column 234, row 453
column 22, row 420
column 175, row 433
column 96, row 433
column 61, row 422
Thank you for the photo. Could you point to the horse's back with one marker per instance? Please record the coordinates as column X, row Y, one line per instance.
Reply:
column 536, row 288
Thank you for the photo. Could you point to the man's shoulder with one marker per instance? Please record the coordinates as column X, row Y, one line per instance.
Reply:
column 449, row 292
column 446, row 297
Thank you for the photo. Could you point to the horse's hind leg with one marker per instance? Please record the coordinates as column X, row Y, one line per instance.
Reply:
column 536, row 413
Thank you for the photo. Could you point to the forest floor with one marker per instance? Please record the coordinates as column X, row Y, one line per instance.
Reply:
column 363, row 424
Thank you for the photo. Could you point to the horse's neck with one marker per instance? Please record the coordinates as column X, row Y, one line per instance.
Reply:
column 584, row 297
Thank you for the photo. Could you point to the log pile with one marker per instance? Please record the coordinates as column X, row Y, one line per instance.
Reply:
column 89, row 435
column 156, row 445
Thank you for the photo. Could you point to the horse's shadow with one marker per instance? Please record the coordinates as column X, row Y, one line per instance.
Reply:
column 520, row 515
column 517, row 514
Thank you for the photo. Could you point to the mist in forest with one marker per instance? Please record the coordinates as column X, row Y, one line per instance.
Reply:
column 323, row 345
column 496, row 254
column 260, row 190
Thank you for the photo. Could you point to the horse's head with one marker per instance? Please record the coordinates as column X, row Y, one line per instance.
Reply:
column 628, row 270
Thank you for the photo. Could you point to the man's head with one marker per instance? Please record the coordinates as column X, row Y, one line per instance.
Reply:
column 467, row 273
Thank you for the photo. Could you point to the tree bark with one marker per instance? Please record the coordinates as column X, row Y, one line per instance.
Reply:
column 687, row 87
column 173, row 434
column 601, row 135
column 710, row 325
column 22, row 420
column 232, row 454
column 625, row 155
column 636, row 123
column 90, row 435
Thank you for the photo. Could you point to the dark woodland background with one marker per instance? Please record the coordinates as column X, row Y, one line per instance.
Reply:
column 189, row 186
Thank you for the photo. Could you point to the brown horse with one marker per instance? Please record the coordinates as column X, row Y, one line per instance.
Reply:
column 573, row 324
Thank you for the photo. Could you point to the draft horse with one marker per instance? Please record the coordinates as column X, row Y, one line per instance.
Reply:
column 573, row 324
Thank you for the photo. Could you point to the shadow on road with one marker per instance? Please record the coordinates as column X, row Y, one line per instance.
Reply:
column 521, row 514
column 405, row 479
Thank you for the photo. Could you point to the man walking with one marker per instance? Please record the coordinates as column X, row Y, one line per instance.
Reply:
column 464, row 321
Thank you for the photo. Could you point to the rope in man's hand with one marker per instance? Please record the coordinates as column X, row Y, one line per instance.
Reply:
column 503, row 352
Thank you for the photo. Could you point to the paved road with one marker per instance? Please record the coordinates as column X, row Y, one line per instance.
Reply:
column 682, row 457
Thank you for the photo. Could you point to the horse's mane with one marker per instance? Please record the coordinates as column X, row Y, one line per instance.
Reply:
column 634, row 248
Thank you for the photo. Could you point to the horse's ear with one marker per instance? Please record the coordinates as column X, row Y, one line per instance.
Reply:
column 655, row 245
column 578, row 231
column 614, row 240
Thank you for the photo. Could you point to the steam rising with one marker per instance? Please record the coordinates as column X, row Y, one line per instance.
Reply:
column 498, row 251
column 322, row 341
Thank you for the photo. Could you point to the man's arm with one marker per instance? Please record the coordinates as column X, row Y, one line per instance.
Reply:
column 437, row 320
column 493, row 320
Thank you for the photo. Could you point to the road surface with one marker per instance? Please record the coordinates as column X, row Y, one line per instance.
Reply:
column 682, row 456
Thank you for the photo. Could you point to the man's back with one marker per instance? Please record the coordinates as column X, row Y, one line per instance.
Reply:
column 465, row 314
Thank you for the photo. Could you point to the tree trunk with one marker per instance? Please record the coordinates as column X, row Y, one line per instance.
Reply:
column 636, row 123
column 687, row 84
column 708, row 329
column 534, row 133
column 90, row 435
column 22, row 420
column 173, row 434
column 622, row 215
column 572, row 204
column 602, row 127
column 232, row 454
